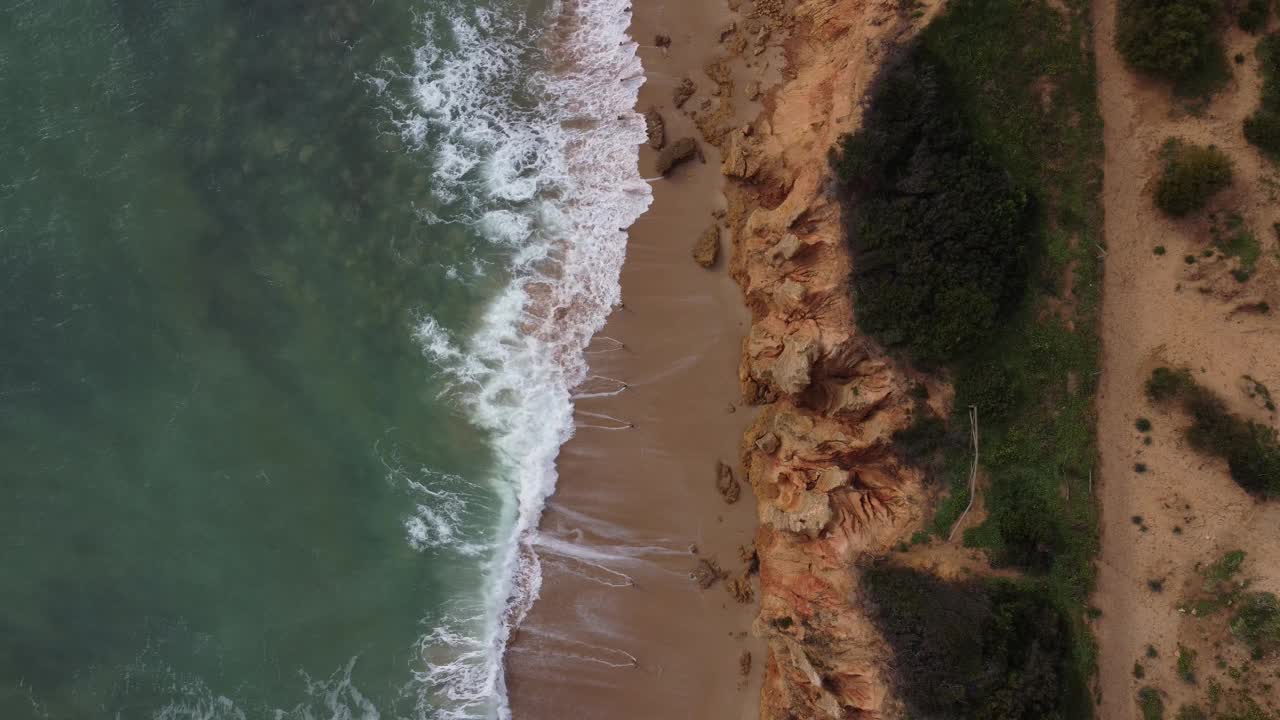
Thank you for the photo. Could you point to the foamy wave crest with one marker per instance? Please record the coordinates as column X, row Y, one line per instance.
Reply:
column 533, row 140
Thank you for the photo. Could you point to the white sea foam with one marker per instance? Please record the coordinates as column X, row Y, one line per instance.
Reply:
column 533, row 141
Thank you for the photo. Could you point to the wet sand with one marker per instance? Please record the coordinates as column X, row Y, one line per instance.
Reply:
column 620, row 629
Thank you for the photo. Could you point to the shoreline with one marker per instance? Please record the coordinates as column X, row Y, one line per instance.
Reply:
column 620, row 628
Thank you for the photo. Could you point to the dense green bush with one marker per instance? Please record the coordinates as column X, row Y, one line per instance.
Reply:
column 939, row 230
column 983, row 649
column 1262, row 128
column 1253, row 16
column 1150, row 704
column 1252, row 450
column 1172, row 39
column 1192, row 175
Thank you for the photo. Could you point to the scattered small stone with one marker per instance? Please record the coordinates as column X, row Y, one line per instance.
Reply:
column 744, row 663
column 726, row 484
column 731, row 408
column 753, row 89
column 706, row 250
column 683, row 92
column 728, row 30
column 662, row 41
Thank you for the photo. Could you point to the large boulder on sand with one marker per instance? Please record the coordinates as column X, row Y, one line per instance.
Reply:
column 707, row 248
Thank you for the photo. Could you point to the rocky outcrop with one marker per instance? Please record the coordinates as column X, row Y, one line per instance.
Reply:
column 655, row 129
column 818, row 457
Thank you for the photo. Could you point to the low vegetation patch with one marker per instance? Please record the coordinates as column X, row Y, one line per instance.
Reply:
column 1251, row 449
column 995, row 649
column 1192, row 175
column 1233, row 238
column 1262, row 128
column 1252, row 15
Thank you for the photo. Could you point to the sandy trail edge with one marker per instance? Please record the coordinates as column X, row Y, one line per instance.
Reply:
column 1159, row 310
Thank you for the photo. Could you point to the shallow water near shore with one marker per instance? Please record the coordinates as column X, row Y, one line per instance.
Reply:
column 295, row 297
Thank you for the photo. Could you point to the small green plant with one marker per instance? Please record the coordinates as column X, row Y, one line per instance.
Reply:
column 1159, row 250
column 1187, row 664
column 1156, row 585
column 1139, row 467
column 1143, row 425
column 1139, row 672
column 1151, row 651
column 1192, row 175
column 1239, row 58
column 1189, row 259
column 1150, row 704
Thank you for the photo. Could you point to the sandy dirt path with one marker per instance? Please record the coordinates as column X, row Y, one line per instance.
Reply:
column 1159, row 310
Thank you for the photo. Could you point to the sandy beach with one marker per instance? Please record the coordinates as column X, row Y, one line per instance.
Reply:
column 621, row 630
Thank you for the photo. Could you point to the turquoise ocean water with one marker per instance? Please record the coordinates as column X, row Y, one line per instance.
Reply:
column 294, row 296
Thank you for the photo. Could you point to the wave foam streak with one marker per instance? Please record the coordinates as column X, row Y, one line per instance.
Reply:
column 534, row 145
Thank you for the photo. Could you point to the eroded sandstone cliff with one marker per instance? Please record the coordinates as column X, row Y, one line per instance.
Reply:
column 819, row 459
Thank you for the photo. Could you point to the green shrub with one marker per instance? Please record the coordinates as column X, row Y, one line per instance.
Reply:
column 1159, row 250
column 1192, row 175
column 1186, row 664
column 939, row 230
column 1251, row 449
column 991, row 649
column 920, row 441
column 1166, row 383
column 1253, row 16
column 1171, row 39
column 1257, row 623
column 1142, row 424
column 1262, row 128
column 1150, row 704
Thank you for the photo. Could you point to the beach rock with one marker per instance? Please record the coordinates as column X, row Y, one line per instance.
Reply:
column 728, row 30
column 752, row 90
column 706, row 250
column 744, row 663
column 790, row 372
column 740, row 589
column 740, row 158
column 680, row 151
column 655, row 129
column 726, row 485
column 707, row 572
column 682, row 92
column 662, row 41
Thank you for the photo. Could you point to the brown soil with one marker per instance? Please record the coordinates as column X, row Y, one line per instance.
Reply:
column 1159, row 310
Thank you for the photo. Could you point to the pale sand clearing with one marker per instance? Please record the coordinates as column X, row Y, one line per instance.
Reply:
column 1159, row 310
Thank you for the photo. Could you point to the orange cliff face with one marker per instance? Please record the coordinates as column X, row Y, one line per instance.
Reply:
column 819, row 459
